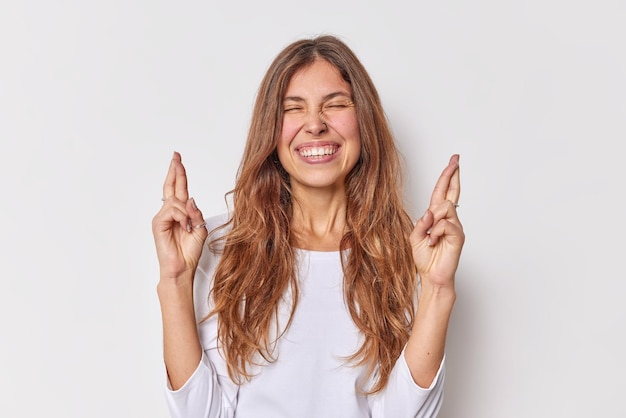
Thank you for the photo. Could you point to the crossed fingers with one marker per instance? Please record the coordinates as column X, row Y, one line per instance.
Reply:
column 176, row 181
column 448, row 186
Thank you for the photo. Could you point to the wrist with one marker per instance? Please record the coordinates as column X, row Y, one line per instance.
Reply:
column 437, row 285
column 183, row 277
column 440, row 295
column 176, row 288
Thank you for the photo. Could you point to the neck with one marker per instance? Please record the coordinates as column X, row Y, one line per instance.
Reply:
column 319, row 219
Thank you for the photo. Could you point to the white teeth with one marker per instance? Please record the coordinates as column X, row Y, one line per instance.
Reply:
column 318, row 151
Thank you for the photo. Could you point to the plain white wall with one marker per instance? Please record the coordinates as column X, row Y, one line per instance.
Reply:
column 95, row 96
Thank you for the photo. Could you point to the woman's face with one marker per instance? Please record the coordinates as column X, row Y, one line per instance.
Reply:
column 319, row 143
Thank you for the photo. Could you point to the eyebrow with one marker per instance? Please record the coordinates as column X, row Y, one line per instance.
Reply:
column 329, row 96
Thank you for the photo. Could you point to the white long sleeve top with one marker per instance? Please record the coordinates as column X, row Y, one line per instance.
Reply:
column 311, row 377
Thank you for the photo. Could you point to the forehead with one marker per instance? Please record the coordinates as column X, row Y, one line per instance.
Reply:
column 318, row 78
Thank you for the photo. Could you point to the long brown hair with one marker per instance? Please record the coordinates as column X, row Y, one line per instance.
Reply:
column 258, row 264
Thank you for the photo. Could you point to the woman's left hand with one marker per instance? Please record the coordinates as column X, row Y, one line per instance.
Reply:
column 438, row 236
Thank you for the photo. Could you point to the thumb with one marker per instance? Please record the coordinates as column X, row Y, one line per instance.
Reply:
column 196, row 220
column 422, row 227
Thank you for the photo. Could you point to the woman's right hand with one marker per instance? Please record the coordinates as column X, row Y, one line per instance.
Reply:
column 178, row 228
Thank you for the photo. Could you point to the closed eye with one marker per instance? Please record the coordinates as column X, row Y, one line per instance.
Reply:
column 336, row 106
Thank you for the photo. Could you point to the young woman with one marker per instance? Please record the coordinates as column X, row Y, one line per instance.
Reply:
column 316, row 295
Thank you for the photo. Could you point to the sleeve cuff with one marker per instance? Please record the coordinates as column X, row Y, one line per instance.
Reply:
column 197, row 374
column 405, row 373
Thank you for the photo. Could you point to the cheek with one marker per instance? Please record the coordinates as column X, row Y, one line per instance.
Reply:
column 288, row 131
column 287, row 134
column 348, row 127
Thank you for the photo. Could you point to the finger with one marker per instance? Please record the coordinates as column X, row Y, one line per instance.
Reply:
column 446, row 210
column 196, row 220
column 444, row 214
column 454, row 189
column 181, row 179
column 443, row 183
column 170, row 180
column 422, row 227
column 173, row 202
column 170, row 214
column 444, row 228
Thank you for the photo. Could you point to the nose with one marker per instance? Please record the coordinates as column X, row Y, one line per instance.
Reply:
column 315, row 124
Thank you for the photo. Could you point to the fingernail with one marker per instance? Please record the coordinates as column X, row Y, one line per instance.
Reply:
column 188, row 227
column 193, row 204
column 430, row 241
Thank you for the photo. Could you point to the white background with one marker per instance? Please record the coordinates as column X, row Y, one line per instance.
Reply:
column 95, row 96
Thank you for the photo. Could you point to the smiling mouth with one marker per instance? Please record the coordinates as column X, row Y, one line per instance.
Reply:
column 322, row 151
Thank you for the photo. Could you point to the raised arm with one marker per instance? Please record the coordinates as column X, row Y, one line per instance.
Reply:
column 437, row 240
column 179, row 234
